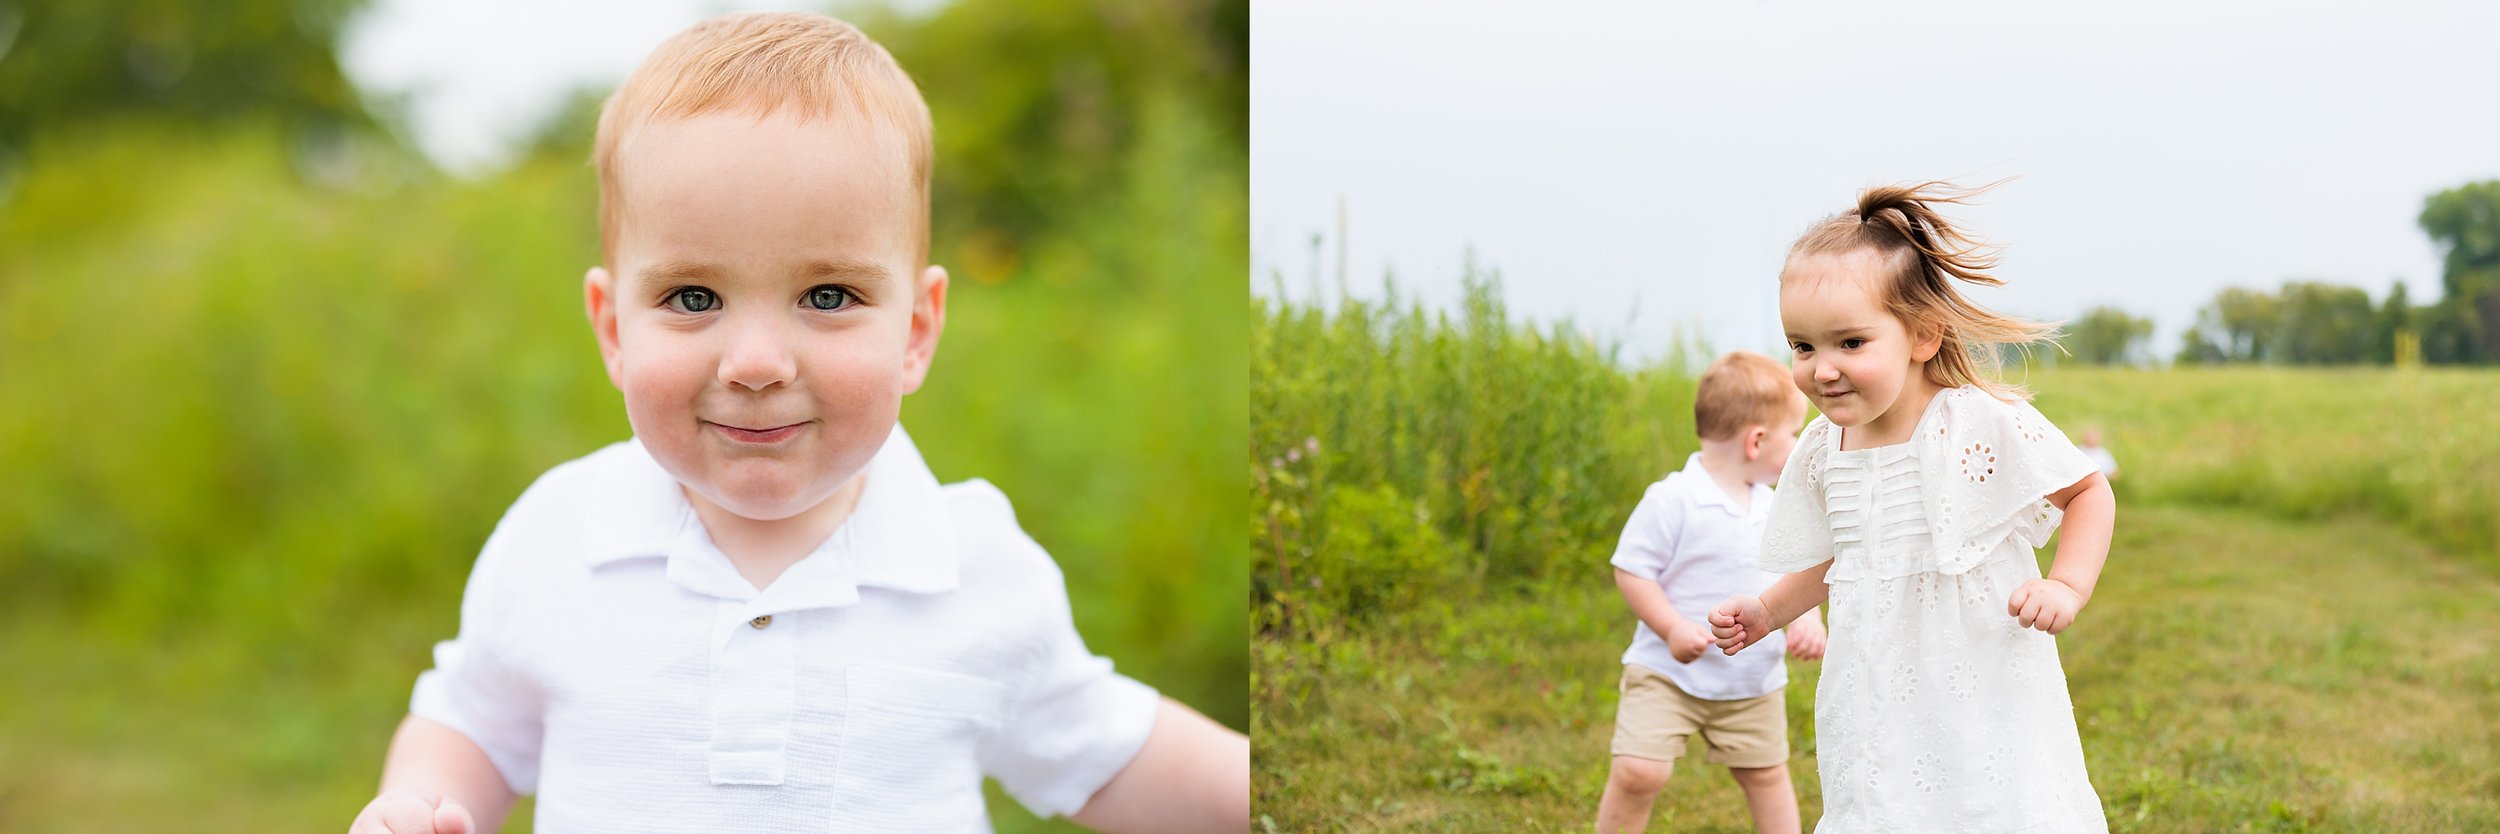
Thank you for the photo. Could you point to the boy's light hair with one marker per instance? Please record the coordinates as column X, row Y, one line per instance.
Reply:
column 1742, row 390
column 760, row 63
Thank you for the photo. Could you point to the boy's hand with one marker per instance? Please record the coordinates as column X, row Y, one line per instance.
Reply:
column 1806, row 637
column 2045, row 604
column 1739, row 622
column 1688, row 641
column 401, row 812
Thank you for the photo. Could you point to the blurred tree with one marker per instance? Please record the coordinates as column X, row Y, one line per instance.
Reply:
column 2107, row 336
column 2465, row 222
column 2394, row 324
column 2323, row 324
column 67, row 62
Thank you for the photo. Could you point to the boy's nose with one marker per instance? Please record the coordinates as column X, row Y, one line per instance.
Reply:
column 1824, row 372
column 757, row 360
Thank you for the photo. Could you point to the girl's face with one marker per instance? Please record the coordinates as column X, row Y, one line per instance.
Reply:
column 1852, row 357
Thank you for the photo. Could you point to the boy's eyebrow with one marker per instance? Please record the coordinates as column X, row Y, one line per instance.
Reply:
column 842, row 268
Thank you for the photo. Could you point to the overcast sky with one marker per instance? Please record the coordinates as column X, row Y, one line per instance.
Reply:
column 1642, row 167
column 481, row 75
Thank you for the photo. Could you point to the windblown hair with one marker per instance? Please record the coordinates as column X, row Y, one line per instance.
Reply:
column 1742, row 390
column 1922, row 255
column 762, row 63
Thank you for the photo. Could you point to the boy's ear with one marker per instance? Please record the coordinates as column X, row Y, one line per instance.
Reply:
column 928, row 320
column 599, row 297
column 1753, row 441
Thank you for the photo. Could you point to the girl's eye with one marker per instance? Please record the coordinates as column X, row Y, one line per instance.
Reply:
column 693, row 300
column 828, row 297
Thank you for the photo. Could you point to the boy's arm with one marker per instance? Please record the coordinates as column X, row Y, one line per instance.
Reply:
column 437, row 765
column 1649, row 603
column 1192, row 775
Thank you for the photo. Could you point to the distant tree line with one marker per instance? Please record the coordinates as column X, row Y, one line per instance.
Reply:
column 2319, row 323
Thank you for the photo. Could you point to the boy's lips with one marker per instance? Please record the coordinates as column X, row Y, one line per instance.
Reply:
column 774, row 434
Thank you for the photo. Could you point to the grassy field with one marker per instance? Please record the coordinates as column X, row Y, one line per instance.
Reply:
column 2294, row 632
column 2234, row 673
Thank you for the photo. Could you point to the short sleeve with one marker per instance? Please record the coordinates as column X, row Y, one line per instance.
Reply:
column 1648, row 543
column 1799, row 534
column 473, row 690
column 1071, row 726
column 1999, row 463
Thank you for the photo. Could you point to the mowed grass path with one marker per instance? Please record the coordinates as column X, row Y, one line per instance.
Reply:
column 2234, row 672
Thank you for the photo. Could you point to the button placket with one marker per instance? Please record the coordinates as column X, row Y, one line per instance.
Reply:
column 754, row 691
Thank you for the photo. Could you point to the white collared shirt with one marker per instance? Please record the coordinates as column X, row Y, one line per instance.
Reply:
column 612, row 661
column 1699, row 546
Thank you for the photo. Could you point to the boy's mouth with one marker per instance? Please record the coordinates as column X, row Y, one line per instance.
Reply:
column 743, row 434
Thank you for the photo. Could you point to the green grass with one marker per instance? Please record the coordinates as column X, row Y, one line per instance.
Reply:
column 2234, row 673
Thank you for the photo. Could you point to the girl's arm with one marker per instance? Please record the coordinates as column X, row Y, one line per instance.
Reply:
column 1744, row 621
column 2083, row 540
column 2051, row 604
column 1795, row 594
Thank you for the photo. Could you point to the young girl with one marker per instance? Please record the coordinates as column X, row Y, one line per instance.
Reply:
column 1914, row 504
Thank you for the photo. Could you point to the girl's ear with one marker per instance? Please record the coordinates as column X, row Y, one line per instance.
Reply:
column 1930, row 341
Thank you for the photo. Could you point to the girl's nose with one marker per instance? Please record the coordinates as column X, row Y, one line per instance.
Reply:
column 757, row 358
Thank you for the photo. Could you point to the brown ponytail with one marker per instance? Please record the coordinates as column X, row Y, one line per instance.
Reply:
column 1923, row 254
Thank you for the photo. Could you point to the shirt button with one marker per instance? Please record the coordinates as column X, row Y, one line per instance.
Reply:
column 762, row 621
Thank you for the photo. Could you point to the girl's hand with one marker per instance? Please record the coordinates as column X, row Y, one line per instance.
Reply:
column 1806, row 637
column 1739, row 622
column 1688, row 641
column 2045, row 604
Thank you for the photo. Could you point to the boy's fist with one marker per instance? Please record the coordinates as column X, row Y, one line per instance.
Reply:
column 2045, row 604
column 1806, row 636
column 1739, row 622
column 401, row 812
column 1688, row 641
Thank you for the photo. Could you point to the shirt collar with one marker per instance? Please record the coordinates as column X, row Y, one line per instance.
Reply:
column 900, row 536
column 1707, row 492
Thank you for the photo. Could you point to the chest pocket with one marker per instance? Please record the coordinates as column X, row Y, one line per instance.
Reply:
column 908, row 759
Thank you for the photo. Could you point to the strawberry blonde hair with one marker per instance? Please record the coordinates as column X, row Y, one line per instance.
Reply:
column 762, row 63
column 1741, row 390
column 1920, row 256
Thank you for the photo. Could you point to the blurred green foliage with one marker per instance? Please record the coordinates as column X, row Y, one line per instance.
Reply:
column 1483, row 450
column 265, row 399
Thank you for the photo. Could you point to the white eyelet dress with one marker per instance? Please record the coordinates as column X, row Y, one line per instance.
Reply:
column 1937, row 711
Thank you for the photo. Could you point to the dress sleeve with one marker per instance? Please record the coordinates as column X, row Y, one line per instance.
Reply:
column 1799, row 533
column 1999, row 463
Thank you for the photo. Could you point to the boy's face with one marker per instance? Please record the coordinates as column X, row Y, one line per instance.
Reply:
column 1778, row 441
column 764, row 321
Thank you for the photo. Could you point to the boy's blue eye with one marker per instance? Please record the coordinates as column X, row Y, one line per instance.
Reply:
column 1853, row 344
column 828, row 297
column 1800, row 347
column 693, row 299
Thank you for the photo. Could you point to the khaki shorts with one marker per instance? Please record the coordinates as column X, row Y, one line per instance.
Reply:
column 1655, row 715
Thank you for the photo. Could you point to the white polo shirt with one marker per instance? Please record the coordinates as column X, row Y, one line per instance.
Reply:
column 613, row 662
column 1695, row 543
